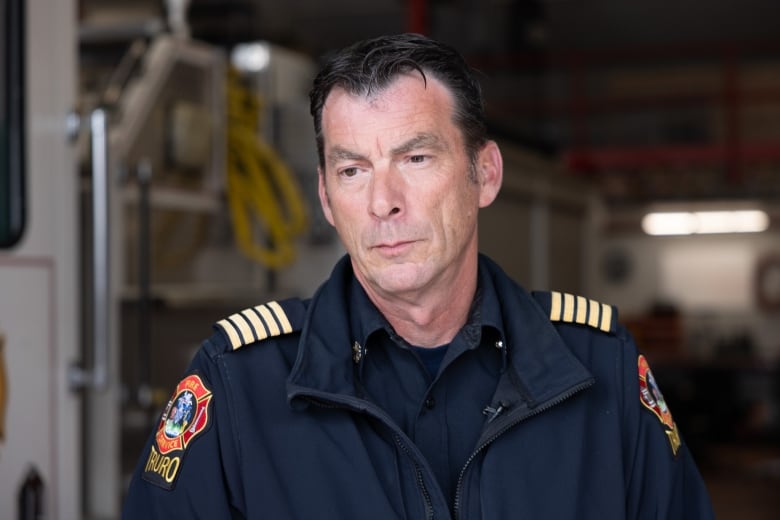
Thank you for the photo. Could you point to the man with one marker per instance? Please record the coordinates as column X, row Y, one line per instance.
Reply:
column 420, row 381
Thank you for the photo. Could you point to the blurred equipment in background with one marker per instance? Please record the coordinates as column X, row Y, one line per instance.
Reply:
column 212, row 173
column 31, row 496
column 279, row 80
column 177, row 17
column 261, row 189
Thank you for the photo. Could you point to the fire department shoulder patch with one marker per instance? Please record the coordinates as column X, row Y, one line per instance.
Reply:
column 187, row 415
column 651, row 397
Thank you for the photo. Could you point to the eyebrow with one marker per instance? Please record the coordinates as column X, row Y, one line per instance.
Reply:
column 421, row 140
column 339, row 153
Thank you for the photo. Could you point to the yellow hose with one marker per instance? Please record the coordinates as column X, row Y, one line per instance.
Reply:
column 264, row 199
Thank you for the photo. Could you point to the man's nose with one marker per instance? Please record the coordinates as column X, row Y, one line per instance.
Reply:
column 386, row 193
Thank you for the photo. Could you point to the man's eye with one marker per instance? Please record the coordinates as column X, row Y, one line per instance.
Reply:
column 349, row 172
column 418, row 158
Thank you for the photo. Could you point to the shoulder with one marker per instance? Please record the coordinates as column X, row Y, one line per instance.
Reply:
column 257, row 324
column 566, row 308
column 559, row 307
column 633, row 377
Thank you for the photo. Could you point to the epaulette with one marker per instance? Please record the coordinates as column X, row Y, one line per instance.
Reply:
column 260, row 322
column 568, row 308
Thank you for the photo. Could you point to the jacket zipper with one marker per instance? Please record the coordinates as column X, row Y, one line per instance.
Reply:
column 420, row 480
column 531, row 413
column 331, row 404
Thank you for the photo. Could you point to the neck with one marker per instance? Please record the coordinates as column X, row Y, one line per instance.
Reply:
column 430, row 318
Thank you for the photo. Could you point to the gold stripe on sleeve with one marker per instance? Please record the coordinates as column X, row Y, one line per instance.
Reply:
column 256, row 322
column 281, row 316
column 593, row 313
column 555, row 308
column 568, row 307
column 230, row 330
column 243, row 327
column 273, row 328
column 606, row 317
column 582, row 310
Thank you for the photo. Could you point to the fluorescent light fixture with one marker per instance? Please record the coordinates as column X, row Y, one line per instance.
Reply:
column 251, row 57
column 705, row 222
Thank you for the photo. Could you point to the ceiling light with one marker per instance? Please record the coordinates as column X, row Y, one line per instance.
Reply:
column 251, row 57
column 705, row 222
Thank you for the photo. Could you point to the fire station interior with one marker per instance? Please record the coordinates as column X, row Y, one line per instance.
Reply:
column 642, row 167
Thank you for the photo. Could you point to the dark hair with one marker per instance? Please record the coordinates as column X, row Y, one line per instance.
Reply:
column 371, row 65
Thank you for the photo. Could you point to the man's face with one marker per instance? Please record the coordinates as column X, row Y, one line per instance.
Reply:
column 396, row 186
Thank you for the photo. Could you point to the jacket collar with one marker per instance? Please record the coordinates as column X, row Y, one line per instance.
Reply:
column 544, row 365
column 541, row 365
column 324, row 363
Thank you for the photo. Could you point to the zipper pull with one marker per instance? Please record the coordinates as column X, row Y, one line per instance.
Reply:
column 492, row 413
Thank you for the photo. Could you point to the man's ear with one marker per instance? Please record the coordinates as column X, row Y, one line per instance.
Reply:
column 323, row 194
column 490, row 171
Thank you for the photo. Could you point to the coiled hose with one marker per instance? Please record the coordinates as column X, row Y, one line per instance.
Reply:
column 267, row 208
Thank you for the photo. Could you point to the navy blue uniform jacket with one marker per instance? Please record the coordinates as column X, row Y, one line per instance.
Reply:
column 269, row 423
